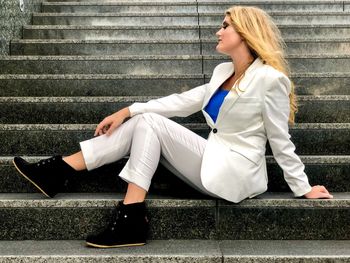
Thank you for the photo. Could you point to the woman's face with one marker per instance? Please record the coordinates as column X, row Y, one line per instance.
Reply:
column 228, row 39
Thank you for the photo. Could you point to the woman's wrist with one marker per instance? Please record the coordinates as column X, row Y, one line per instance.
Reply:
column 126, row 112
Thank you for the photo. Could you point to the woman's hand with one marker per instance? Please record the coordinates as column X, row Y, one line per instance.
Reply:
column 318, row 191
column 111, row 122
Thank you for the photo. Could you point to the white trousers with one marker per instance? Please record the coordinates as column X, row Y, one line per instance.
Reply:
column 149, row 138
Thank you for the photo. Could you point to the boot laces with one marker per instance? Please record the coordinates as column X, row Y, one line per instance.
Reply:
column 117, row 217
column 43, row 161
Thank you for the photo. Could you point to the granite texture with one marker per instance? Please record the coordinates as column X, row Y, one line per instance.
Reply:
column 45, row 139
column 86, row 32
column 154, row 64
column 180, row 251
column 12, row 19
column 112, row 64
column 101, row 47
column 330, row 171
column 268, row 216
column 97, row 85
column 89, row 109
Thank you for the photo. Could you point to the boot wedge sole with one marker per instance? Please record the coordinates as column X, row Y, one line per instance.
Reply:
column 123, row 245
column 30, row 180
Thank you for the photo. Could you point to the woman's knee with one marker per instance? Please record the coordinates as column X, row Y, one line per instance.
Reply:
column 152, row 117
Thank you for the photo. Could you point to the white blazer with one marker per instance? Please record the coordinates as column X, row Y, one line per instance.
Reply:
column 234, row 164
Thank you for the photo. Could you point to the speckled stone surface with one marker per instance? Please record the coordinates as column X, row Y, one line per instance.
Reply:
column 268, row 216
column 179, row 251
column 285, row 251
column 178, row 32
column 322, row 109
column 108, row 64
column 44, row 139
column 158, row 251
column 12, row 19
column 97, row 84
column 330, row 171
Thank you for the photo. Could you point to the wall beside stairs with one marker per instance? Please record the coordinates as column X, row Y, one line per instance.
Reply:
column 12, row 19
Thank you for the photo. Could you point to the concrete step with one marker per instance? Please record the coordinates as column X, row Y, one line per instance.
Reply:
column 155, row 64
column 98, row 84
column 123, row 7
column 20, row 110
column 271, row 216
column 105, row 47
column 118, row 1
column 170, row 32
column 58, row 85
column 161, row 47
column 307, row 17
column 45, row 139
column 115, row 18
column 216, row 251
column 332, row 171
column 185, row 6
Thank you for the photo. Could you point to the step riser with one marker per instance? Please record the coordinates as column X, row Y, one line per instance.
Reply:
column 147, row 87
column 90, row 112
column 106, row 49
column 121, row 20
column 181, row 223
column 179, row 20
column 120, row 8
column 105, row 179
column 176, row 34
column 340, row 48
column 154, row 66
column 192, row 7
column 46, row 142
column 130, row 34
column 186, row 251
column 98, row 87
column 145, row 67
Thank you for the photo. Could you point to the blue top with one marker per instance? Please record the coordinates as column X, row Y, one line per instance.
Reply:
column 215, row 102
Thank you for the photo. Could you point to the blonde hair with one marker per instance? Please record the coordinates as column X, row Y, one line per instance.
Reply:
column 264, row 40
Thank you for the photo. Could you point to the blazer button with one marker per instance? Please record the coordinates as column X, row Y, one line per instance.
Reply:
column 215, row 130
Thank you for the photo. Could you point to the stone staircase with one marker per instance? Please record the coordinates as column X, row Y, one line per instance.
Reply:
column 81, row 61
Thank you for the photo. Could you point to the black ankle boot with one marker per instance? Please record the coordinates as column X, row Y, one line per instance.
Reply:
column 48, row 175
column 129, row 227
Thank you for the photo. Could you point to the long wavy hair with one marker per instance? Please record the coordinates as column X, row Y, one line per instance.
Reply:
column 264, row 40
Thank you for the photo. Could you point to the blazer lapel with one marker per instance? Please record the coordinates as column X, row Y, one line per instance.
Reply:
column 233, row 95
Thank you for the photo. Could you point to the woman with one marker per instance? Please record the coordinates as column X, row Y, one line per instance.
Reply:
column 246, row 101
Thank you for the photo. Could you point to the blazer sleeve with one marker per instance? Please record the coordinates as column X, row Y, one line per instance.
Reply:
column 176, row 104
column 275, row 114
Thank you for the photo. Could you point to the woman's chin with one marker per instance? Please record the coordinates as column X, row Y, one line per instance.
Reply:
column 220, row 51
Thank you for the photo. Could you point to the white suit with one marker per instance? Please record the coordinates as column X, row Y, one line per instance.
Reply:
column 234, row 164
